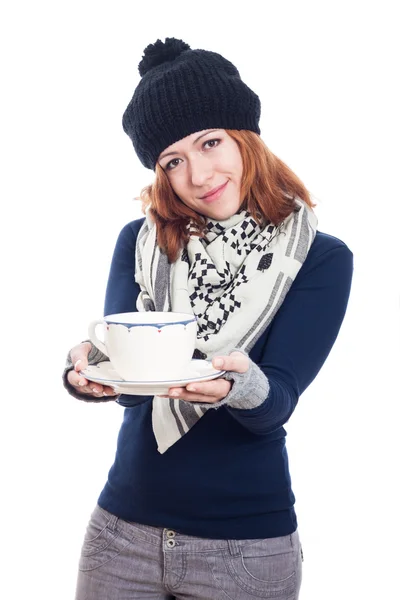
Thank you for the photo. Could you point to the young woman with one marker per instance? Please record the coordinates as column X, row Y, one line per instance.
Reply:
column 198, row 503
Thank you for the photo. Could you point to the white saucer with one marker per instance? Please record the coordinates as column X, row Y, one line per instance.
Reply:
column 103, row 372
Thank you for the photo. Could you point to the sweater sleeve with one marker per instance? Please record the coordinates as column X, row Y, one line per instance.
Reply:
column 122, row 290
column 300, row 339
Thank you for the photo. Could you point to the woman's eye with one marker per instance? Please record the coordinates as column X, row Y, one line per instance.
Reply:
column 213, row 143
column 208, row 145
column 172, row 164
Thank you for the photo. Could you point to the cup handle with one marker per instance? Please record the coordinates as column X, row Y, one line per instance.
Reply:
column 93, row 337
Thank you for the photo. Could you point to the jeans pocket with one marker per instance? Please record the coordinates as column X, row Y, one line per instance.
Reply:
column 102, row 540
column 266, row 568
column 275, row 569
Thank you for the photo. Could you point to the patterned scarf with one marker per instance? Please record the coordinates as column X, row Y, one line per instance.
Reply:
column 234, row 280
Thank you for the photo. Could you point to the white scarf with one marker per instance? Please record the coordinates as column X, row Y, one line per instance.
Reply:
column 234, row 280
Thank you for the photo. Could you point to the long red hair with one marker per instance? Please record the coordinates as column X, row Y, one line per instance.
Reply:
column 268, row 192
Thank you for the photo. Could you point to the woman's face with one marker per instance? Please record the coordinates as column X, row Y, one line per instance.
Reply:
column 205, row 171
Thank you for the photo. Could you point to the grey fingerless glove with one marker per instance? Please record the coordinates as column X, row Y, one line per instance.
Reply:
column 249, row 389
column 95, row 356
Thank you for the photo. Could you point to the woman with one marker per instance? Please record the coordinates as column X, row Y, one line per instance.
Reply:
column 198, row 503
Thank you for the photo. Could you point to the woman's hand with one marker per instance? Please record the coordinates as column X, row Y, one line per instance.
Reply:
column 215, row 390
column 79, row 358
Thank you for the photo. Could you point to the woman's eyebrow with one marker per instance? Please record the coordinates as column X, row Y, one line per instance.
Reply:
column 203, row 134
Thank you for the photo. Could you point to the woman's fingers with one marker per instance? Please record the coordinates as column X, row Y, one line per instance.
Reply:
column 236, row 361
column 79, row 358
column 205, row 391
column 216, row 389
column 83, row 386
column 79, row 355
column 77, row 380
column 109, row 391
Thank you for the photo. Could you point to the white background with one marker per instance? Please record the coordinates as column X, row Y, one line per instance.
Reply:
column 326, row 73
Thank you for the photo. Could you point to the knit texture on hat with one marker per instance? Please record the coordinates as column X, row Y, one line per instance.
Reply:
column 183, row 91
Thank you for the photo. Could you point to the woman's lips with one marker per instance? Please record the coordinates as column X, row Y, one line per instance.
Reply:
column 215, row 195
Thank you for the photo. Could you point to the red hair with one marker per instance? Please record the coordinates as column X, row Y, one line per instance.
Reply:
column 268, row 192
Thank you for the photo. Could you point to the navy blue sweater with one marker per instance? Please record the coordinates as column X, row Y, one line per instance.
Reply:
column 228, row 477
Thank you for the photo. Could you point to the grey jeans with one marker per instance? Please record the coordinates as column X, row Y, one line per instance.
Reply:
column 126, row 561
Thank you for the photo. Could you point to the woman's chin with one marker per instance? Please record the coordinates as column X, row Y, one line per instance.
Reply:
column 221, row 212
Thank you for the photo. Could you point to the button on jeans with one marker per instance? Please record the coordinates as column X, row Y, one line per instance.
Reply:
column 128, row 561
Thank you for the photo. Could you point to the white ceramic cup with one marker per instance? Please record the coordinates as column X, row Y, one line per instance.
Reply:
column 147, row 346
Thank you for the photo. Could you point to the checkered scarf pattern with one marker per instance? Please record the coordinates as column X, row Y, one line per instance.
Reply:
column 234, row 280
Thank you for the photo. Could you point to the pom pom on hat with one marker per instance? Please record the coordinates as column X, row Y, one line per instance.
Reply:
column 160, row 52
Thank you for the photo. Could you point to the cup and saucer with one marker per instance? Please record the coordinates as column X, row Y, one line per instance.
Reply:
column 149, row 352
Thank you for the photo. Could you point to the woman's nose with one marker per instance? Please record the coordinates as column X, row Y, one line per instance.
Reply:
column 200, row 170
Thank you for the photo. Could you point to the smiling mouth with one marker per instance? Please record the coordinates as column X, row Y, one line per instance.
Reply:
column 215, row 193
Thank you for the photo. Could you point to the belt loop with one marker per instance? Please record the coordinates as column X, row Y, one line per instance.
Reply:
column 112, row 523
column 234, row 547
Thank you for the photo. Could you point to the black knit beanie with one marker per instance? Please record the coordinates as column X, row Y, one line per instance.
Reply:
column 183, row 91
